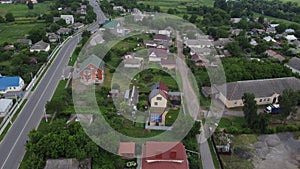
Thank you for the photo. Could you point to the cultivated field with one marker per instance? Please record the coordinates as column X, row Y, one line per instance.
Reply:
column 25, row 20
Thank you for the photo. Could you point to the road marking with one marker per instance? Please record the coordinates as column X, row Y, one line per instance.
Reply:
column 33, row 110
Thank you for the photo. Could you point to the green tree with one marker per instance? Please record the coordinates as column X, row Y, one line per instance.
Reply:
column 288, row 101
column 185, row 17
column 30, row 5
column 9, row 17
column 250, row 109
column 54, row 27
column 37, row 34
column 261, row 19
column 262, row 122
column 48, row 18
column 193, row 18
column 2, row 20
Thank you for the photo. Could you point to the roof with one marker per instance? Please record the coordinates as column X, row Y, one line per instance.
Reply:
column 127, row 148
column 94, row 60
column 274, row 55
column 161, row 86
column 40, row 45
column 67, row 164
column 260, row 88
column 161, row 37
column 63, row 30
column 164, row 155
column 291, row 37
column 132, row 61
column 110, row 24
column 155, row 92
column 28, row 41
column 294, row 63
column 7, row 81
column 161, row 53
column 4, row 103
column 167, row 62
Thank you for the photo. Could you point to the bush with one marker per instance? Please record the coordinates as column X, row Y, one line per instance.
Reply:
column 233, row 130
column 270, row 130
column 290, row 128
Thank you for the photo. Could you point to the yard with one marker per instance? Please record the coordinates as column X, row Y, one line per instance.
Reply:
column 180, row 5
column 10, row 32
column 21, row 10
column 171, row 117
column 25, row 20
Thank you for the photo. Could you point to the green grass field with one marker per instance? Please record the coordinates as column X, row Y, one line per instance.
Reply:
column 180, row 5
column 12, row 32
column 21, row 10
column 25, row 20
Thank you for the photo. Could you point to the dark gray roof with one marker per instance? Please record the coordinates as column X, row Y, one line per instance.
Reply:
column 155, row 92
column 260, row 88
column 40, row 45
column 294, row 63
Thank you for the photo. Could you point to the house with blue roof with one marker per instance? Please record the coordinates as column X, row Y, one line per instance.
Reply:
column 11, row 84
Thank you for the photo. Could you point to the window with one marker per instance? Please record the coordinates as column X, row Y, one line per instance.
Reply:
column 260, row 100
column 155, row 103
column 158, row 98
column 264, row 100
column 235, row 103
column 268, row 99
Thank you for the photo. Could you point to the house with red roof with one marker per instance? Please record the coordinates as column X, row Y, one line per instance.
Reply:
column 127, row 150
column 91, row 70
column 158, row 99
column 164, row 155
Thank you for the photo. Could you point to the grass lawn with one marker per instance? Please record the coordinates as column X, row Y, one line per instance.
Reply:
column 297, row 1
column 227, row 122
column 21, row 10
column 171, row 117
column 180, row 5
column 233, row 161
column 107, row 78
column 59, row 90
column 12, row 32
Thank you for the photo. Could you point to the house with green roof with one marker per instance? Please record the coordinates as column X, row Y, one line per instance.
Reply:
column 111, row 24
column 91, row 70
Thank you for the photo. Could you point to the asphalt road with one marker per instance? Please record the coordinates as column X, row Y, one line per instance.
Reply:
column 193, row 104
column 12, row 146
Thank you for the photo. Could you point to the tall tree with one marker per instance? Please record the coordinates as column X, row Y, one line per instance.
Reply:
column 9, row 17
column 288, row 101
column 250, row 109
column 30, row 5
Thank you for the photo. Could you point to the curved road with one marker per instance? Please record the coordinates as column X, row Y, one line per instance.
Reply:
column 12, row 146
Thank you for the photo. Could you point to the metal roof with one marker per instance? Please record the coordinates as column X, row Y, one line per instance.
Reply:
column 9, row 81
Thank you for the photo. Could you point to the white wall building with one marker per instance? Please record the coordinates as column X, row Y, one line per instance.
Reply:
column 68, row 18
column 5, row 106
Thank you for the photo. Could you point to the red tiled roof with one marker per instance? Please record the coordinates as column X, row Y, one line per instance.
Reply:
column 164, row 155
column 127, row 148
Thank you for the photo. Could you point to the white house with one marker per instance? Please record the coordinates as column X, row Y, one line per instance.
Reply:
column 5, row 106
column 269, row 38
column 40, row 46
column 290, row 37
column 156, row 55
column 133, row 62
column 289, row 31
column 68, row 18
column 11, row 84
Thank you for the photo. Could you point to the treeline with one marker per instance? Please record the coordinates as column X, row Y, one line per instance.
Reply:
column 238, row 69
column 275, row 8
column 57, row 140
